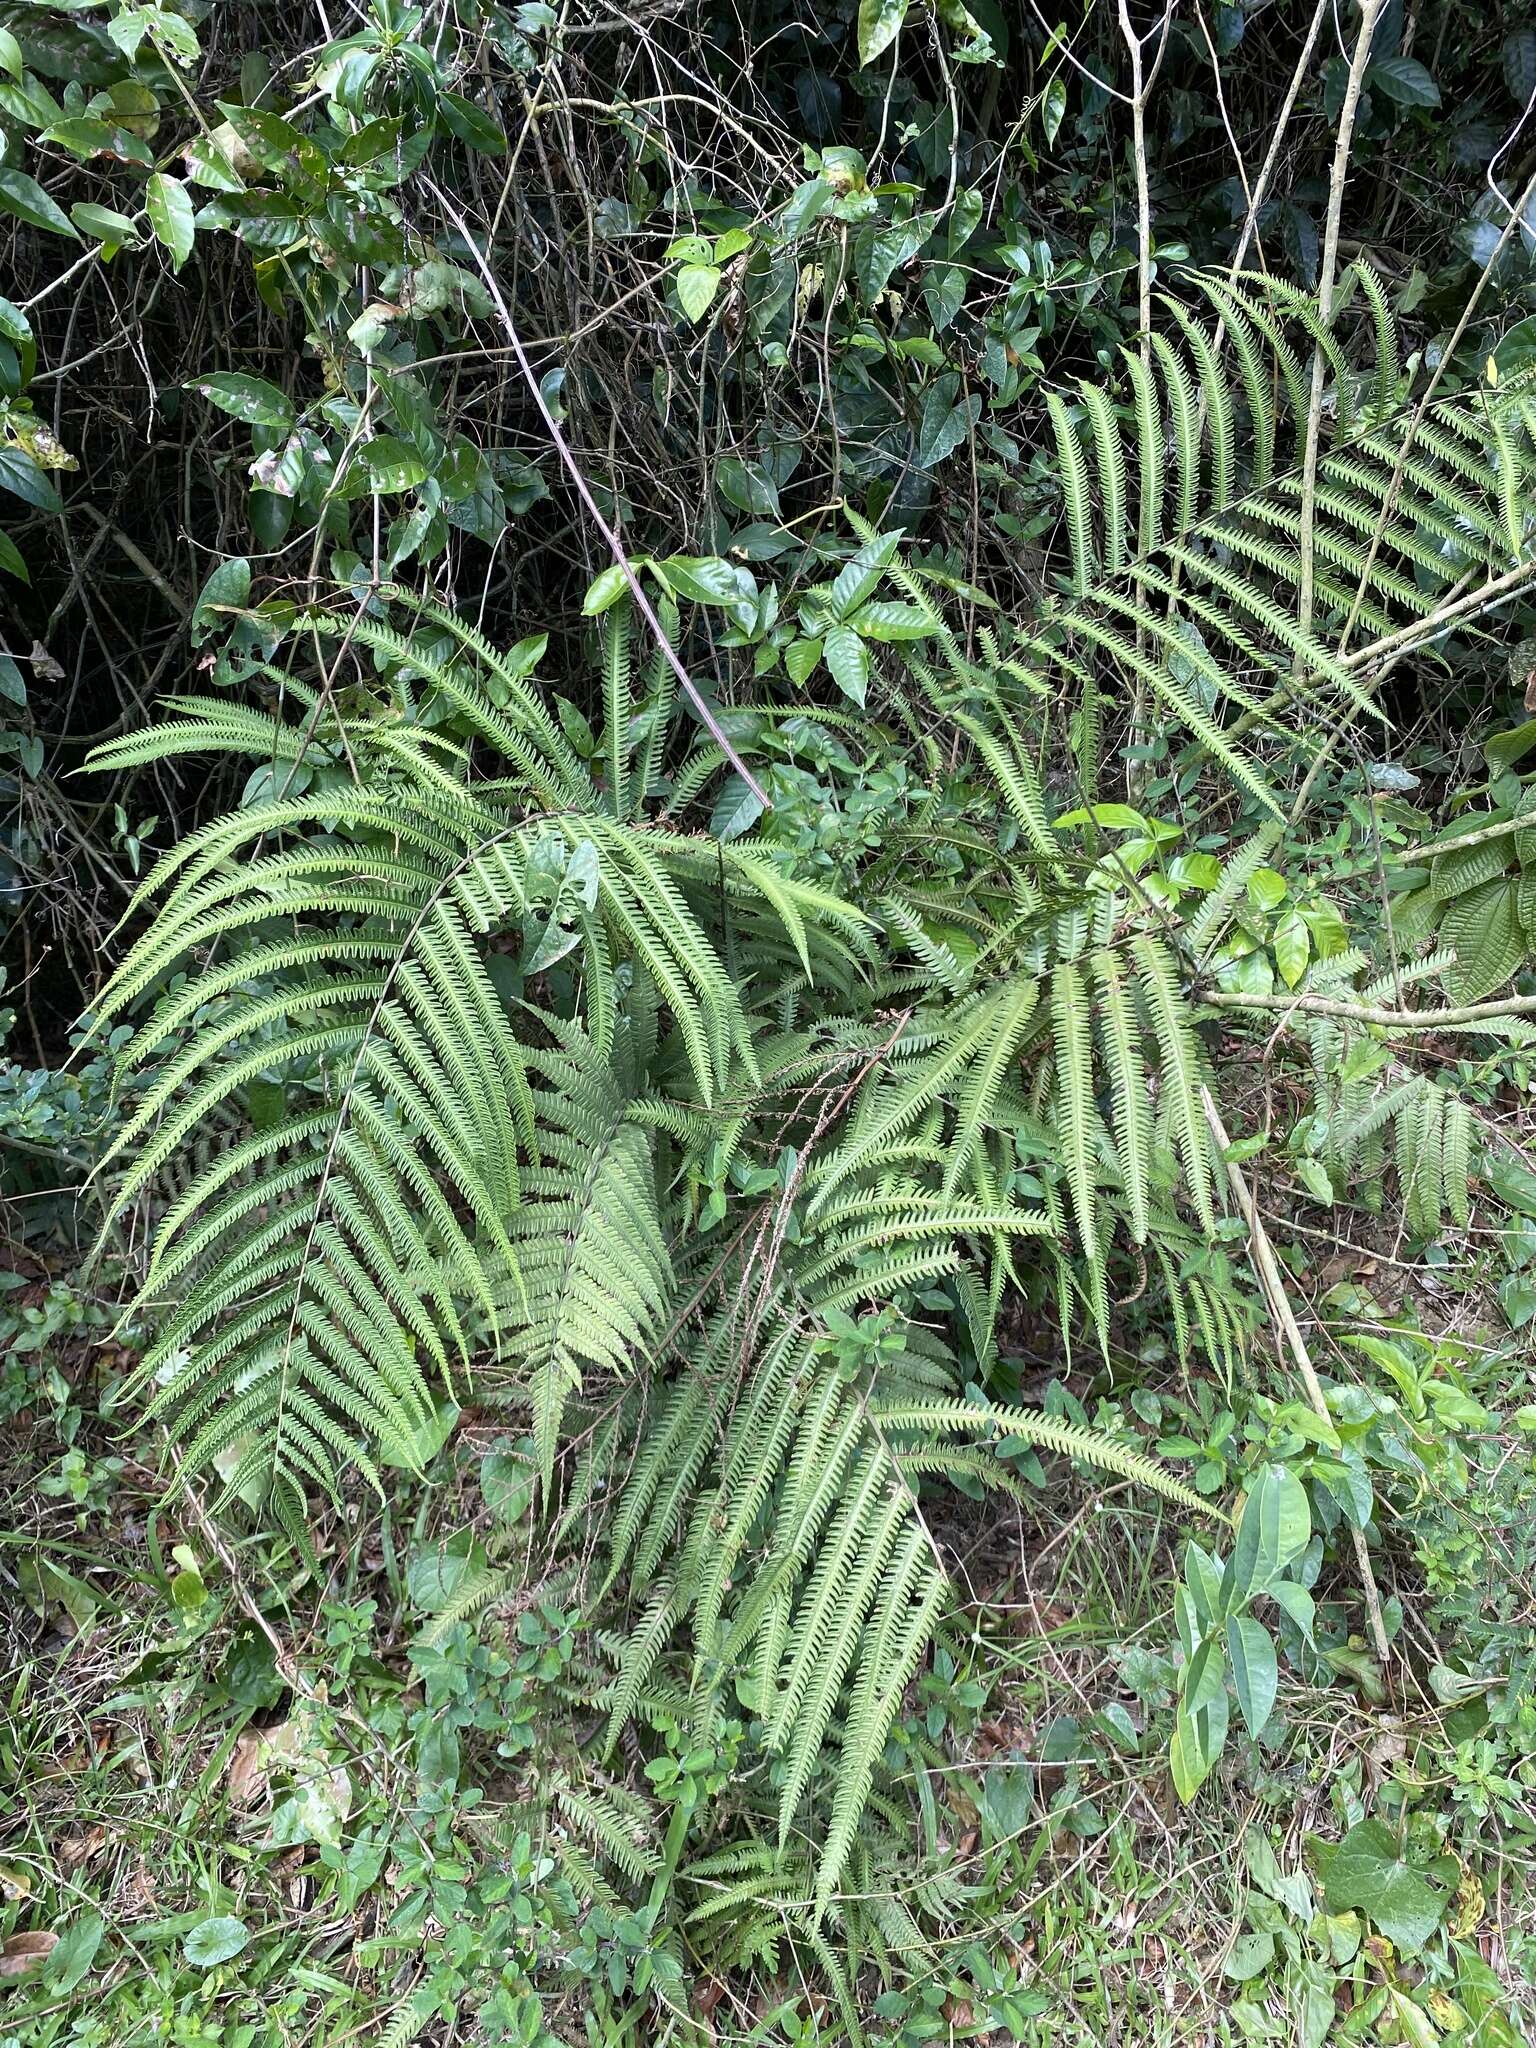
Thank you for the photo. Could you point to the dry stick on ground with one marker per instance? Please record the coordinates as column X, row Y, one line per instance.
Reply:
column 1267, row 1266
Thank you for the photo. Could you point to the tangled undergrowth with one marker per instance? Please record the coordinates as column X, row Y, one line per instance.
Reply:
column 768, row 1169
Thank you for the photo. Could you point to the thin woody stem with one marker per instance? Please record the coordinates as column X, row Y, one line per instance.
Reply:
column 584, row 491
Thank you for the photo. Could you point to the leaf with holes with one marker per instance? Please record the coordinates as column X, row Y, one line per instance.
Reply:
column 252, row 399
column 391, row 464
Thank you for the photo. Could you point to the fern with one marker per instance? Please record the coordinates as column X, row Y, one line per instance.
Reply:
column 591, row 1277
column 367, row 1237
column 1381, row 1114
column 462, row 1063
column 1220, row 553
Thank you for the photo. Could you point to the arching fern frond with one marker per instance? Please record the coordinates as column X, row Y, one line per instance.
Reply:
column 1405, row 510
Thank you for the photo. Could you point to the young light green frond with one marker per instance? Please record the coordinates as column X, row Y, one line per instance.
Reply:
column 1120, row 1041
column 1149, row 455
column 1389, row 360
column 1180, row 1071
column 1076, row 1116
column 1067, row 1439
column 1011, row 1013
column 1184, row 410
column 1216, row 400
column 1457, row 1141
column 1109, row 452
column 906, row 1607
column 615, row 630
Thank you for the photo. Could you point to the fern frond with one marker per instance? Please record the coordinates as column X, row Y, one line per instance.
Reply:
column 1077, row 1121
column 1121, row 1042
column 1180, row 1069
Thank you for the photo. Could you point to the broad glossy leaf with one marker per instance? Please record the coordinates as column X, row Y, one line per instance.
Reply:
column 24, row 197
column 1297, row 1602
column 11, row 559
column 171, row 216
column 105, row 225
column 208, row 164
column 1255, row 1670
column 216, row 1940
column 879, row 25
column 707, row 579
column 1251, row 1956
column 1519, row 54
column 392, row 464
column 1275, row 1527
column 1367, row 1872
column 1403, row 80
column 21, row 475
column 1199, row 1737
column 227, row 589
column 848, row 659
column 1053, row 106
column 697, row 284
column 471, row 124
column 245, row 397
column 606, row 588
column 737, row 809
column 801, row 658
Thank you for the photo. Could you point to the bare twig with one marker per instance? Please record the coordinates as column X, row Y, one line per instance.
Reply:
column 1362, row 1013
column 1370, row 11
column 584, row 490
